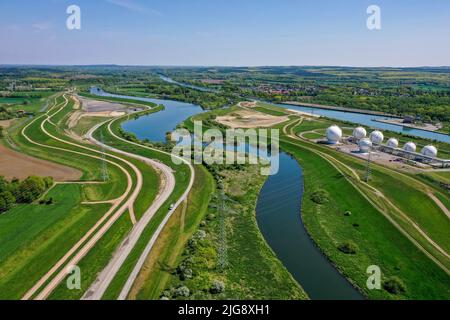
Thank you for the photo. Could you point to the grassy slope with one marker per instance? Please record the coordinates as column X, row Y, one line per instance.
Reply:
column 405, row 192
column 155, row 274
column 113, row 188
column 379, row 243
column 34, row 237
column 253, row 271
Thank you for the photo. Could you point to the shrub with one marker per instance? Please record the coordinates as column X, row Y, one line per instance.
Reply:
column 200, row 235
column 7, row 200
column 394, row 285
column 348, row 248
column 217, row 287
column 30, row 189
column 182, row 291
column 320, row 197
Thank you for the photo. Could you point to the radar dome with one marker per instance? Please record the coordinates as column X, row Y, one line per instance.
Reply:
column 334, row 134
column 430, row 151
column 392, row 143
column 365, row 145
column 410, row 147
column 377, row 137
column 359, row 133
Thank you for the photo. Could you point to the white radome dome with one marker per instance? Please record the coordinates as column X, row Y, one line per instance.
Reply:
column 334, row 134
column 410, row 147
column 430, row 151
column 365, row 145
column 392, row 143
column 377, row 137
column 359, row 133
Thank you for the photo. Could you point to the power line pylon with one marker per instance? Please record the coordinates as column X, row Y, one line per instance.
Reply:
column 105, row 173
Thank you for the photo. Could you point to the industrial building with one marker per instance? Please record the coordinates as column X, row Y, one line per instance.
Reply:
column 428, row 154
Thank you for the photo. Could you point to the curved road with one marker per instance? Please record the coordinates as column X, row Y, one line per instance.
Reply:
column 104, row 279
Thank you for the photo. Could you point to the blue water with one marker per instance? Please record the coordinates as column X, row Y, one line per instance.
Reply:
column 278, row 209
column 155, row 126
column 357, row 118
column 279, row 219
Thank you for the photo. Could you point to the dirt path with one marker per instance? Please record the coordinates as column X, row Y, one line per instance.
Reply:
column 104, row 279
column 330, row 159
column 107, row 275
column 440, row 204
column 95, row 237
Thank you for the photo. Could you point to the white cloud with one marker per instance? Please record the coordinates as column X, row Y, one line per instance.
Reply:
column 41, row 26
column 133, row 6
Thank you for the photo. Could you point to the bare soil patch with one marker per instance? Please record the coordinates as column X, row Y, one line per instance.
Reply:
column 250, row 119
column 89, row 105
column 17, row 165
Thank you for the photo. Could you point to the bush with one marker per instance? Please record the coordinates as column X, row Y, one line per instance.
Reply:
column 348, row 248
column 182, row 291
column 217, row 287
column 7, row 200
column 200, row 235
column 30, row 189
column 394, row 285
column 320, row 197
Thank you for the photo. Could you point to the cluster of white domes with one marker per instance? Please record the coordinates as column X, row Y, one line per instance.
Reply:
column 334, row 134
column 365, row 145
column 377, row 137
column 359, row 133
column 410, row 147
column 430, row 151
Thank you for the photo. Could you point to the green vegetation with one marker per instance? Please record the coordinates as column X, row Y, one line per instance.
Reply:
column 35, row 236
column 177, row 232
column 203, row 272
column 25, row 191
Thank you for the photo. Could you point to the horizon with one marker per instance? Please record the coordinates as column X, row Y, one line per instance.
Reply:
column 201, row 33
column 225, row 66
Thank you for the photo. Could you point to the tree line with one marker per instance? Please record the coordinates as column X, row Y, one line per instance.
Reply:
column 21, row 192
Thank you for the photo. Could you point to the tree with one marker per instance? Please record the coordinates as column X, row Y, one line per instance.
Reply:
column 30, row 189
column 7, row 200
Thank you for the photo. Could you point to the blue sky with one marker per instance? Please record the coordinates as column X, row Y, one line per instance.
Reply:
column 226, row 32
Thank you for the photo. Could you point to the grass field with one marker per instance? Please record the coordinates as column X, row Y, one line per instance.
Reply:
column 378, row 242
column 251, row 271
column 35, row 236
column 157, row 270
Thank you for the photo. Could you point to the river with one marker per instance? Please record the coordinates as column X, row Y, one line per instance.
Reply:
column 278, row 208
column 357, row 118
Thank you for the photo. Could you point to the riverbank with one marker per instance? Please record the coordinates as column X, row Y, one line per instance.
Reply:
column 399, row 122
column 343, row 109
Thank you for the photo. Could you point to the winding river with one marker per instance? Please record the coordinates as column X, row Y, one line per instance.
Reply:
column 278, row 208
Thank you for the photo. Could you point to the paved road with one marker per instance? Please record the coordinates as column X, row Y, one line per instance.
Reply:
column 98, row 233
column 98, row 288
